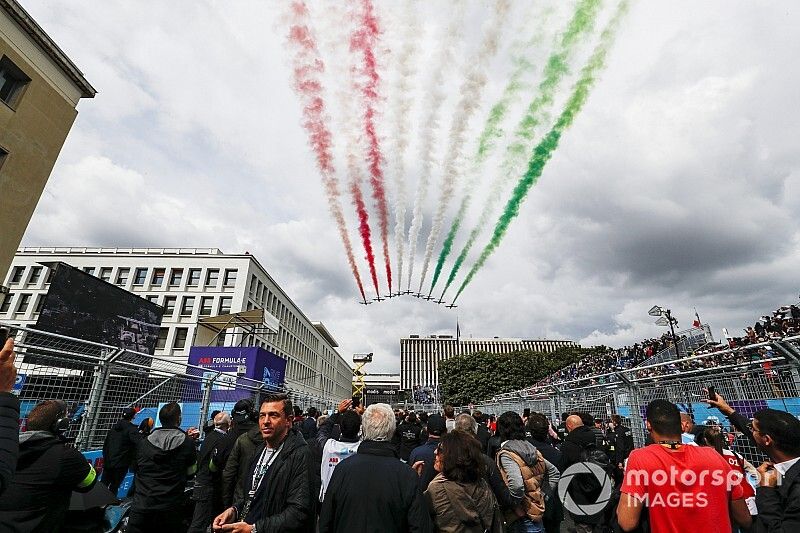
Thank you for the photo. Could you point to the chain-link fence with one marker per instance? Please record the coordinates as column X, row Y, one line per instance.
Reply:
column 97, row 382
column 749, row 378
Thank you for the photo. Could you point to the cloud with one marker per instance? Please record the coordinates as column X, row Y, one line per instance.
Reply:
column 678, row 185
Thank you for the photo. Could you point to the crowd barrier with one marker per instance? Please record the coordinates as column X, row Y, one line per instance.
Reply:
column 749, row 378
column 98, row 381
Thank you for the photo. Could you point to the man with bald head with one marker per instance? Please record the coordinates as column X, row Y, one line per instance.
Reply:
column 579, row 436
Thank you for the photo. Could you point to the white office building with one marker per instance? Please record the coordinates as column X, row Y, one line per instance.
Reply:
column 191, row 284
column 420, row 355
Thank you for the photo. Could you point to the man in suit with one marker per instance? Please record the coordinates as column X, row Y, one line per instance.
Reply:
column 777, row 434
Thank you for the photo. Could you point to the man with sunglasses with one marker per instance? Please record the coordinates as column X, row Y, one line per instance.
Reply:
column 777, row 434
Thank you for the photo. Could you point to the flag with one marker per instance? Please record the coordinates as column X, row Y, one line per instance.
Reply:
column 696, row 323
column 458, row 331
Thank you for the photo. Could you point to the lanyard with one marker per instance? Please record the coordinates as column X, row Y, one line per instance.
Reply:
column 258, row 476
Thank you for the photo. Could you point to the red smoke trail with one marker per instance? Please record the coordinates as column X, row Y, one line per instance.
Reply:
column 363, row 40
column 306, row 67
column 363, row 224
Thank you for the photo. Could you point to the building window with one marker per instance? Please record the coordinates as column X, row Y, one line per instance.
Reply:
column 39, row 304
column 212, row 275
column 225, row 305
column 188, row 306
column 122, row 276
column 206, row 303
column 152, row 298
column 6, row 305
column 175, row 277
column 3, row 156
column 169, row 305
column 140, row 276
column 158, row 276
column 36, row 274
column 194, row 277
column 89, row 270
column 179, row 343
column 24, row 301
column 161, row 343
column 16, row 274
column 12, row 82
column 50, row 273
column 105, row 273
column 230, row 278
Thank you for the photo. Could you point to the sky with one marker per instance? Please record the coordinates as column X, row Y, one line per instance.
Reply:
column 678, row 184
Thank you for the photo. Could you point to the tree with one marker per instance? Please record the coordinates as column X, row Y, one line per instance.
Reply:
column 478, row 376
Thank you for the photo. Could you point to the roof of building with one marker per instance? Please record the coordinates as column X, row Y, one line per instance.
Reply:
column 48, row 46
column 325, row 333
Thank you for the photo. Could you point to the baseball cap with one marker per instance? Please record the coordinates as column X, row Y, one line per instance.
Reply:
column 436, row 425
column 128, row 413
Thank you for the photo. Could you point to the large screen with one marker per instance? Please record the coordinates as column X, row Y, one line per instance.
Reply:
column 83, row 306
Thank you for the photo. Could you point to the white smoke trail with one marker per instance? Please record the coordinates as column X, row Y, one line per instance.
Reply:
column 468, row 103
column 400, row 106
column 430, row 124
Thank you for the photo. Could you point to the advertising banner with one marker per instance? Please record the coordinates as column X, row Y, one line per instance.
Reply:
column 233, row 363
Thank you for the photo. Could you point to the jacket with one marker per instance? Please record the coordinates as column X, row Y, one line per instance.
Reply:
column 285, row 499
column 425, row 453
column 525, row 472
column 238, row 464
column 779, row 507
column 548, row 451
column 334, row 452
column 9, row 438
column 164, row 462
column 47, row 472
column 463, row 507
column 119, row 448
column 410, row 437
column 208, row 473
column 309, row 428
column 374, row 492
column 574, row 443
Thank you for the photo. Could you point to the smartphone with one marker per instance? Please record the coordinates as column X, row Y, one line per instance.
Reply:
column 356, row 401
column 712, row 393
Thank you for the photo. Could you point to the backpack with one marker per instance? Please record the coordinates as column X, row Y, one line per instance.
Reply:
column 588, row 484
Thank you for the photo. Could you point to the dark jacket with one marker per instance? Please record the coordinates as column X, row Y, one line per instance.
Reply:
column 499, row 488
column 164, row 462
column 779, row 507
column 208, row 476
column 119, row 448
column 493, row 446
column 463, row 507
column 548, row 451
column 483, row 436
column 374, row 492
column 9, row 438
column 285, row 500
column 425, row 453
column 238, row 465
column 309, row 428
column 574, row 443
column 410, row 438
column 47, row 472
column 621, row 442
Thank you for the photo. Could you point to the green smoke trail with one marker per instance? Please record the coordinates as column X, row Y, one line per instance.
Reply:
column 544, row 150
column 581, row 24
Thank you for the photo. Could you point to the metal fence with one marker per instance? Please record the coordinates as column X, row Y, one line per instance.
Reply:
column 97, row 382
column 749, row 378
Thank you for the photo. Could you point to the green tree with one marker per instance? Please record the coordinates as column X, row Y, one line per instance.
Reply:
column 478, row 376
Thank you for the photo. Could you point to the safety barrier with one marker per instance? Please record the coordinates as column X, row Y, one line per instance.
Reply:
column 98, row 381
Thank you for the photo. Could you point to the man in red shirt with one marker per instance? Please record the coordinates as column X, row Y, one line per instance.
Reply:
column 685, row 488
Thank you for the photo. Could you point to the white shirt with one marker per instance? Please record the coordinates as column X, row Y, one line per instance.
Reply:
column 334, row 452
column 786, row 465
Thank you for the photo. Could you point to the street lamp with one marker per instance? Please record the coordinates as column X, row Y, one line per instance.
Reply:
column 666, row 319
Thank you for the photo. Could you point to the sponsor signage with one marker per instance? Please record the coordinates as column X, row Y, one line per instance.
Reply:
column 227, row 364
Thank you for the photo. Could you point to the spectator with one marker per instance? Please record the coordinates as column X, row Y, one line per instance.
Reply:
column 459, row 498
column 281, row 493
column 209, row 426
column 339, row 449
column 47, row 472
column 309, row 424
column 119, row 450
column 9, row 416
column 450, row 417
column 536, row 431
column 207, row 490
column 499, row 489
column 777, row 434
column 410, row 433
column 164, row 462
column 244, row 438
column 529, row 476
column 425, row 453
column 483, row 431
column 621, row 441
column 687, row 425
column 655, row 476
column 713, row 437
column 373, row 491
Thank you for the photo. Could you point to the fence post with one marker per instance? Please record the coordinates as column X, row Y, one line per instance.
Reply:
column 89, row 423
column 206, row 402
column 792, row 355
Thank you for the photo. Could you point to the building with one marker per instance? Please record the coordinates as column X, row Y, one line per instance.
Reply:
column 420, row 356
column 382, row 388
column 40, row 88
column 191, row 284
